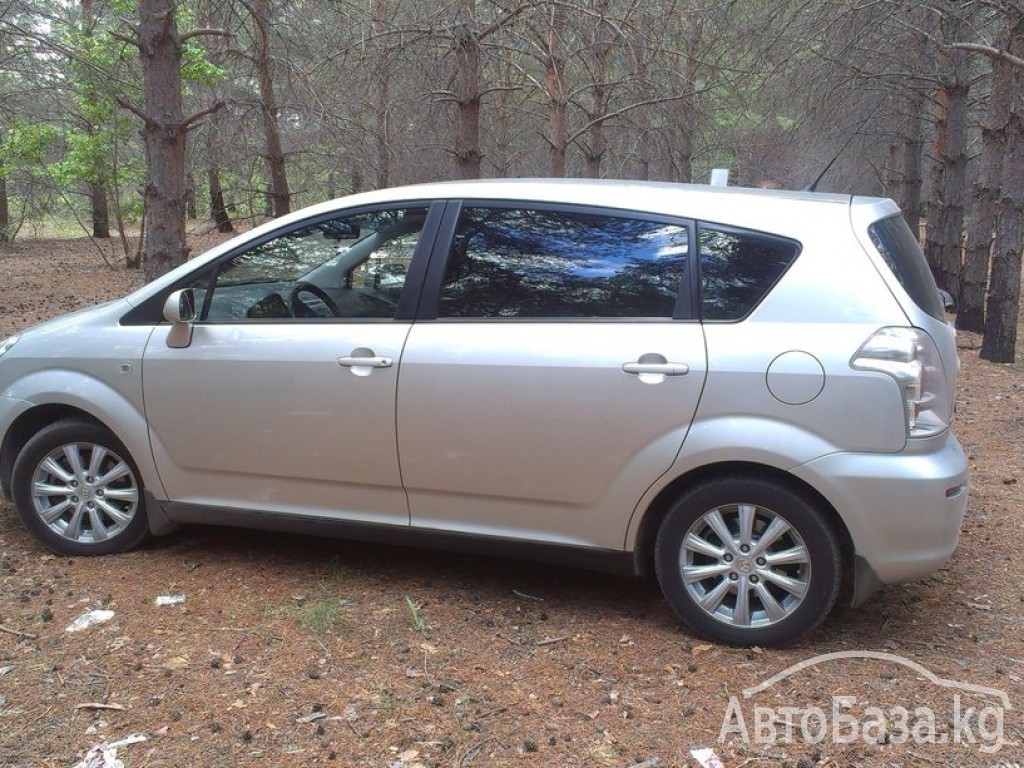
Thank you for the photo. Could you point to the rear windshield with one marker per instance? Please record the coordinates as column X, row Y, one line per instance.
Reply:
column 898, row 246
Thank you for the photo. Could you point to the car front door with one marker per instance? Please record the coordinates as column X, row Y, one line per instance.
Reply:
column 284, row 400
column 554, row 374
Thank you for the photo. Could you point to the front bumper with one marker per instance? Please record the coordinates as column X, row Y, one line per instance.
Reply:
column 10, row 409
column 903, row 511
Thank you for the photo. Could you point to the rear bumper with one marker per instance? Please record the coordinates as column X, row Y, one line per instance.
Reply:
column 903, row 511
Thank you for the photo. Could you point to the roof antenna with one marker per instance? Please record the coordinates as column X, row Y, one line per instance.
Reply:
column 813, row 186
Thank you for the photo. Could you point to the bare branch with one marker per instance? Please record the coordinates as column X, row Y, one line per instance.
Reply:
column 132, row 40
column 991, row 52
column 125, row 104
column 505, row 20
column 622, row 110
column 204, row 32
column 195, row 117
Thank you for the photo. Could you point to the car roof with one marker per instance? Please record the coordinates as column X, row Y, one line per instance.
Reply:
column 781, row 211
column 614, row 193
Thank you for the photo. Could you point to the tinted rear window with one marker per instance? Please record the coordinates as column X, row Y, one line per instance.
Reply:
column 898, row 247
column 529, row 263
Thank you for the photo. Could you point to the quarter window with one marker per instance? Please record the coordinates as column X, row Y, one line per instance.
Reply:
column 738, row 268
column 525, row 263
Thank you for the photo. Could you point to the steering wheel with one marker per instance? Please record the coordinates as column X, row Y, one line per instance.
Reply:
column 299, row 308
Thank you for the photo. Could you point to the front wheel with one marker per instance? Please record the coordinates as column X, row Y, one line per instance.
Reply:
column 78, row 491
column 748, row 561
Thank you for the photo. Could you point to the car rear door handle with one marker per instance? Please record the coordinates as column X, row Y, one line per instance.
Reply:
column 365, row 362
column 665, row 369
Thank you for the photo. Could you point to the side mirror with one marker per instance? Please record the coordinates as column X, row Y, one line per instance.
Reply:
column 180, row 311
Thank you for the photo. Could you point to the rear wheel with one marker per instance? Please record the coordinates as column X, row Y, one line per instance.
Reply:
column 78, row 491
column 748, row 561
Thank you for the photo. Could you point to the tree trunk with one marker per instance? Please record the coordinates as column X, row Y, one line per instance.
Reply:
column 218, row 211
column 468, row 156
column 554, row 84
column 5, row 208
column 891, row 180
column 164, row 137
column 913, row 145
column 280, row 196
column 100, row 210
column 503, row 116
column 971, row 306
column 99, row 177
column 600, row 49
column 946, row 207
column 190, row 196
column 1002, row 312
column 684, row 77
column 382, row 82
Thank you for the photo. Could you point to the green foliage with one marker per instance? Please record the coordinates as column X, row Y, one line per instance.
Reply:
column 24, row 145
column 196, row 66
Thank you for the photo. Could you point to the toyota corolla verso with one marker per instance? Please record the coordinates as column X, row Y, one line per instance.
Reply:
column 747, row 393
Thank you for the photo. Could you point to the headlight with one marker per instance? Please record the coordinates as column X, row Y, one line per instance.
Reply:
column 7, row 343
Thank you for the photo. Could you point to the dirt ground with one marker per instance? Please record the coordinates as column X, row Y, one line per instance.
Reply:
column 292, row 651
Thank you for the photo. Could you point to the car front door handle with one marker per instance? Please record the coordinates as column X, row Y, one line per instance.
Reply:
column 665, row 369
column 365, row 362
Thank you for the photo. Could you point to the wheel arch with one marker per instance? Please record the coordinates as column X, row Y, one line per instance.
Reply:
column 647, row 531
column 27, row 425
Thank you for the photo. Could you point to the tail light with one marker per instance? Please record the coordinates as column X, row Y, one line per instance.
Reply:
column 910, row 356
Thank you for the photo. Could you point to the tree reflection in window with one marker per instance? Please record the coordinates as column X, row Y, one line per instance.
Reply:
column 553, row 264
column 737, row 269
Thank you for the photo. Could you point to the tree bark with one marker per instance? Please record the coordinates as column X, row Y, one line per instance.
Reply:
column 218, row 211
column 600, row 49
column 974, row 280
column 891, row 179
column 280, row 195
column 468, row 156
column 5, row 208
column 100, row 178
column 913, row 146
column 1002, row 311
column 683, row 78
column 554, row 85
column 190, row 196
column 946, row 210
column 382, row 82
column 100, row 210
column 164, row 136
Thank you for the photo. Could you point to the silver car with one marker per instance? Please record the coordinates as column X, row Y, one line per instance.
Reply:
column 746, row 393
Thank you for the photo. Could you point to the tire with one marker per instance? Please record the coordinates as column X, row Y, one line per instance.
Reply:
column 78, row 490
column 740, row 597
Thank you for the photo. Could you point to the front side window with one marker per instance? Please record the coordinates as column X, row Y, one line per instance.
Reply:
column 345, row 267
column 523, row 263
column 738, row 268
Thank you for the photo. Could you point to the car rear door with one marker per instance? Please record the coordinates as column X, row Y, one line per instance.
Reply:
column 553, row 371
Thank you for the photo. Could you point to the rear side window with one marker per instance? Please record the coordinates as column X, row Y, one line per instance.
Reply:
column 898, row 246
column 530, row 263
column 738, row 268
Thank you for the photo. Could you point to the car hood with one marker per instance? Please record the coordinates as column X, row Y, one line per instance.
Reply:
column 77, row 317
